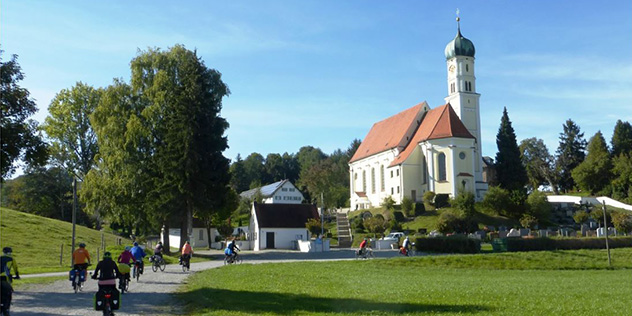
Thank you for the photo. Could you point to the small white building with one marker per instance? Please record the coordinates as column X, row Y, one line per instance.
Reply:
column 279, row 226
column 279, row 192
column 199, row 236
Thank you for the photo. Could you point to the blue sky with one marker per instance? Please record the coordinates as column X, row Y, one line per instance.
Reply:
column 321, row 73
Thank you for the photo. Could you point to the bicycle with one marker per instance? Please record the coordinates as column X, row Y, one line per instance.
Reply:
column 137, row 270
column 157, row 262
column 77, row 285
column 232, row 259
column 186, row 263
column 108, row 302
column 367, row 253
column 6, row 296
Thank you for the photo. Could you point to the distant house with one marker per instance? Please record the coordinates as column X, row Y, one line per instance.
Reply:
column 489, row 171
column 279, row 192
column 199, row 235
column 279, row 226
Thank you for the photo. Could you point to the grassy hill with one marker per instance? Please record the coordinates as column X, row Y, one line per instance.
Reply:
column 37, row 241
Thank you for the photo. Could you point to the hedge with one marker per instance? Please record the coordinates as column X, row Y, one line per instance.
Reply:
column 455, row 244
column 544, row 243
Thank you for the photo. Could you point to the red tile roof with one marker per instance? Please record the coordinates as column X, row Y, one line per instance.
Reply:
column 441, row 122
column 389, row 133
column 361, row 194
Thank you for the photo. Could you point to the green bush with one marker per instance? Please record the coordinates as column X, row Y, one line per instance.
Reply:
column 581, row 217
column 441, row 200
column 528, row 221
column 398, row 216
column 455, row 244
column 429, row 197
column 394, row 225
column 408, row 206
column 539, row 206
column 544, row 243
column 388, row 203
column 451, row 221
column 420, row 209
column 464, row 201
column 357, row 224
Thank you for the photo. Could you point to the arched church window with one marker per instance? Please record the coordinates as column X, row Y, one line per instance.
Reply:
column 364, row 181
column 372, row 180
column 442, row 170
column 424, row 171
column 382, row 178
column 467, row 67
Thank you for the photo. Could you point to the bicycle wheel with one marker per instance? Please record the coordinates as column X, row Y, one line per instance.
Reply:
column 75, row 287
column 184, row 267
column 225, row 260
column 163, row 265
column 154, row 266
column 238, row 260
column 137, row 273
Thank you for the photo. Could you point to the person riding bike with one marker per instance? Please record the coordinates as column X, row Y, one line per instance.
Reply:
column 159, row 249
column 363, row 246
column 232, row 249
column 187, row 252
column 139, row 254
column 7, row 264
column 105, row 271
column 405, row 246
column 81, row 259
column 126, row 258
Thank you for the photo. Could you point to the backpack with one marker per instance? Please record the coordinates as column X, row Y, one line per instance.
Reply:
column 227, row 251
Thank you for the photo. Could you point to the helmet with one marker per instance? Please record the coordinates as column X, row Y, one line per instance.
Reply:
column 128, row 248
column 160, row 242
column 107, row 254
column 82, row 245
column 135, row 244
column 7, row 250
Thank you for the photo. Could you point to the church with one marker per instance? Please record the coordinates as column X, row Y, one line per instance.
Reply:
column 422, row 149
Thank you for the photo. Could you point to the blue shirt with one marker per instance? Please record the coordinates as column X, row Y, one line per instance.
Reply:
column 138, row 252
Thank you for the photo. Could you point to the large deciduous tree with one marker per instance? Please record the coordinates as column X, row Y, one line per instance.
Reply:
column 570, row 154
column 74, row 143
column 539, row 163
column 622, row 178
column 510, row 172
column 20, row 136
column 595, row 172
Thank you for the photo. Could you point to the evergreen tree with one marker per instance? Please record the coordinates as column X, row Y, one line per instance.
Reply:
column 595, row 172
column 510, row 172
column 238, row 177
column 622, row 138
column 622, row 181
column 570, row 154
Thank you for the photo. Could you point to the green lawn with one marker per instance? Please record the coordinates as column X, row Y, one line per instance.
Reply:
column 537, row 283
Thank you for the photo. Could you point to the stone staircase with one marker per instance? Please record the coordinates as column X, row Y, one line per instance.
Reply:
column 344, row 233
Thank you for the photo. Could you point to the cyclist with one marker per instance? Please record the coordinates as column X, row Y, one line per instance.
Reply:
column 405, row 246
column 126, row 259
column 7, row 264
column 139, row 254
column 187, row 252
column 363, row 246
column 106, row 271
column 158, row 250
column 81, row 259
column 231, row 249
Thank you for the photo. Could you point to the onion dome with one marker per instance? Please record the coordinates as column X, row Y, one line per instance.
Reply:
column 459, row 46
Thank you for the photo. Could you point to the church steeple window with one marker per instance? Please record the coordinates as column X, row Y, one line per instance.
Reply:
column 467, row 67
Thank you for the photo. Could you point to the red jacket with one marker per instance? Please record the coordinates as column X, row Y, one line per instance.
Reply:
column 126, row 257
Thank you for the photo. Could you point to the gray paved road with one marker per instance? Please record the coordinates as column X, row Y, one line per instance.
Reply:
column 153, row 295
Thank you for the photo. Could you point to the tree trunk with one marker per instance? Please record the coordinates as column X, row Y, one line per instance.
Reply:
column 184, row 226
column 208, row 234
column 165, row 242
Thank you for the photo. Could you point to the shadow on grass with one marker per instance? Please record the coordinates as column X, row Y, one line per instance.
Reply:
column 227, row 301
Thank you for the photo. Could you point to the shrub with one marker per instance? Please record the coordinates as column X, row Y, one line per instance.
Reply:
column 581, row 217
column 622, row 222
column 456, row 244
column 544, row 243
column 429, row 197
column 453, row 221
column 313, row 226
column 538, row 206
column 528, row 221
column 441, row 200
column 496, row 200
column 388, row 203
column 375, row 225
column 419, row 209
column 464, row 202
column 398, row 216
column 394, row 225
column 408, row 206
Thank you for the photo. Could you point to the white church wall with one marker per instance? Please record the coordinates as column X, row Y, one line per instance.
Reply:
column 364, row 166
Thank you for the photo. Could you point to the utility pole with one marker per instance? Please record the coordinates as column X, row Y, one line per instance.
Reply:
column 322, row 222
column 74, row 216
column 605, row 227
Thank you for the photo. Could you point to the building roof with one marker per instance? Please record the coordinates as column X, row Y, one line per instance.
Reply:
column 284, row 215
column 441, row 122
column 389, row 133
column 266, row 190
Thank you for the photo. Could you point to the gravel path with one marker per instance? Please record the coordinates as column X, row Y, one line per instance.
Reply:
column 153, row 294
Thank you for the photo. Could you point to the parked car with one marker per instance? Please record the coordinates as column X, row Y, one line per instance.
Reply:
column 394, row 236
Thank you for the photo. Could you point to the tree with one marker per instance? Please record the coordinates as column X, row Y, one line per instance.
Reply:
column 313, row 226
column 570, row 154
column 538, row 206
column 510, row 172
column 528, row 221
column 594, row 173
column 20, row 137
column 238, row 178
column 388, row 203
column 408, row 207
column 273, row 167
column 464, row 202
column 581, row 217
column 622, row 222
column 622, row 178
column 68, row 126
column 353, row 147
column 375, row 225
column 621, row 138
column 291, row 167
column 538, row 163
column 497, row 200
column 255, row 172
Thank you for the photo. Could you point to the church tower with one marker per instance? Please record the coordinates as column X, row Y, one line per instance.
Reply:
column 459, row 54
